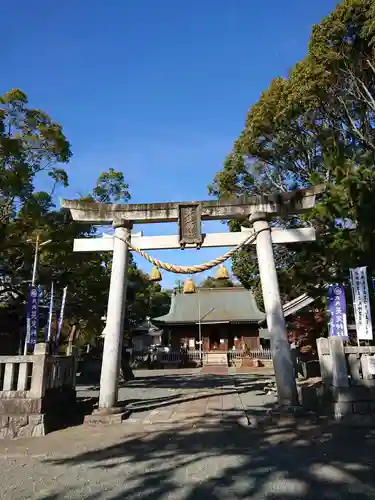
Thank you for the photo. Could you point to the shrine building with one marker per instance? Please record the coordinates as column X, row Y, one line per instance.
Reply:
column 223, row 318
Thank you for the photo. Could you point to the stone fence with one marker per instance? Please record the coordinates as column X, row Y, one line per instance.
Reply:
column 196, row 357
column 348, row 377
column 244, row 358
column 36, row 391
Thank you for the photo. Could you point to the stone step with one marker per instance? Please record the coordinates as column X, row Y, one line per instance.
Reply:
column 216, row 363
column 215, row 369
column 216, row 358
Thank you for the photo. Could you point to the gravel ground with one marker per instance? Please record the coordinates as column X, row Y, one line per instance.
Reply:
column 200, row 454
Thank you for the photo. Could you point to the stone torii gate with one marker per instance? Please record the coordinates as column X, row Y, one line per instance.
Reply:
column 257, row 210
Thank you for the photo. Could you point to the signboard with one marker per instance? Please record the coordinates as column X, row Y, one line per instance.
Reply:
column 337, row 309
column 361, row 303
column 32, row 317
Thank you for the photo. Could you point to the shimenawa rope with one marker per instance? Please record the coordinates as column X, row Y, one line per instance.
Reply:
column 173, row 268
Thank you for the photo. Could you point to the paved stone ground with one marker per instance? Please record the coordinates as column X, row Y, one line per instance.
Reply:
column 163, row 396
column 175, row 397
column 196, row 451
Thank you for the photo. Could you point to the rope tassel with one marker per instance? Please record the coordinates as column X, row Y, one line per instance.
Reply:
column 172, row 268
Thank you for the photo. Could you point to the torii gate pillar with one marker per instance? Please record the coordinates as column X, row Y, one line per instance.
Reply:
column 281, row 355
column 115, row 320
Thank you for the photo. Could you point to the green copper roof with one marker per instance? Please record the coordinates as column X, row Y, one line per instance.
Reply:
column 213, row 305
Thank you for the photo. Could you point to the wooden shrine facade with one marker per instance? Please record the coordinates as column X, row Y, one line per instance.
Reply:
column 222, row 318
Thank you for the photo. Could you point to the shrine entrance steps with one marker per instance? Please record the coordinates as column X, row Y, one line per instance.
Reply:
column 215, row 358
column 214, row 370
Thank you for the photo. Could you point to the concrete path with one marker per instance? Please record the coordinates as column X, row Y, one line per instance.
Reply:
column 198, row 451
column 162, row 396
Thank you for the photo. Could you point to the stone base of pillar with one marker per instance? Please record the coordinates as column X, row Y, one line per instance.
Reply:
column 108, row 416
column 289, row 417
column 109, row 411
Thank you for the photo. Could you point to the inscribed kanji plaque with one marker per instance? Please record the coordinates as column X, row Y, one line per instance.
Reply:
column 189, row 219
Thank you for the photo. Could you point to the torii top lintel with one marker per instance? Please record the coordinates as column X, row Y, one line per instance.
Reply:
column 293, row 202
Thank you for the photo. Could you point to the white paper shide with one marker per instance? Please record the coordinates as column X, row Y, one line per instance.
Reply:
column 361, row 303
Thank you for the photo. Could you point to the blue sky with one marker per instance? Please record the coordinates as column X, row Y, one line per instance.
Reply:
column 158, row 89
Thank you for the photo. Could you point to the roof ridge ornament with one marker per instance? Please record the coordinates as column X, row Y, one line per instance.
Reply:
column 189, row 286
column 222, row 273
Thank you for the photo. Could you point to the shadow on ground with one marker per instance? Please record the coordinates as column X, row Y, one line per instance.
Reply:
column 186, row 381
column 227, row 385
column 279, row 460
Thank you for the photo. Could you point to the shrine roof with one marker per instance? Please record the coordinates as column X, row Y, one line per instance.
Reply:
column 213, row 305
column 295, row 305
column 146, row 328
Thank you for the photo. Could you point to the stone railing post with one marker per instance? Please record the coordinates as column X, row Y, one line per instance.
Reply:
column 339, row 368
column 39, row 373
column 325, row 361
column 340, row 381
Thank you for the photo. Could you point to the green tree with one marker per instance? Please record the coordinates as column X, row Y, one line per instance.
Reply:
column 88, row 275
column 212, row 282
column 179, row 286
column 146, row 298
column 315, row 126
column 32, row 144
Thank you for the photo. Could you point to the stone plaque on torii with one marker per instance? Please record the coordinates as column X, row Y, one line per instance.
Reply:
column 258, row 210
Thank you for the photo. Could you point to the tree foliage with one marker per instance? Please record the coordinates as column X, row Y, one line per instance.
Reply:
column 212, row 282
column 32, row 144
column 316, row 125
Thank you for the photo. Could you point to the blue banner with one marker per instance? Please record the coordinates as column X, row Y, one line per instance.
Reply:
column 337, row 309
column 32, row 317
